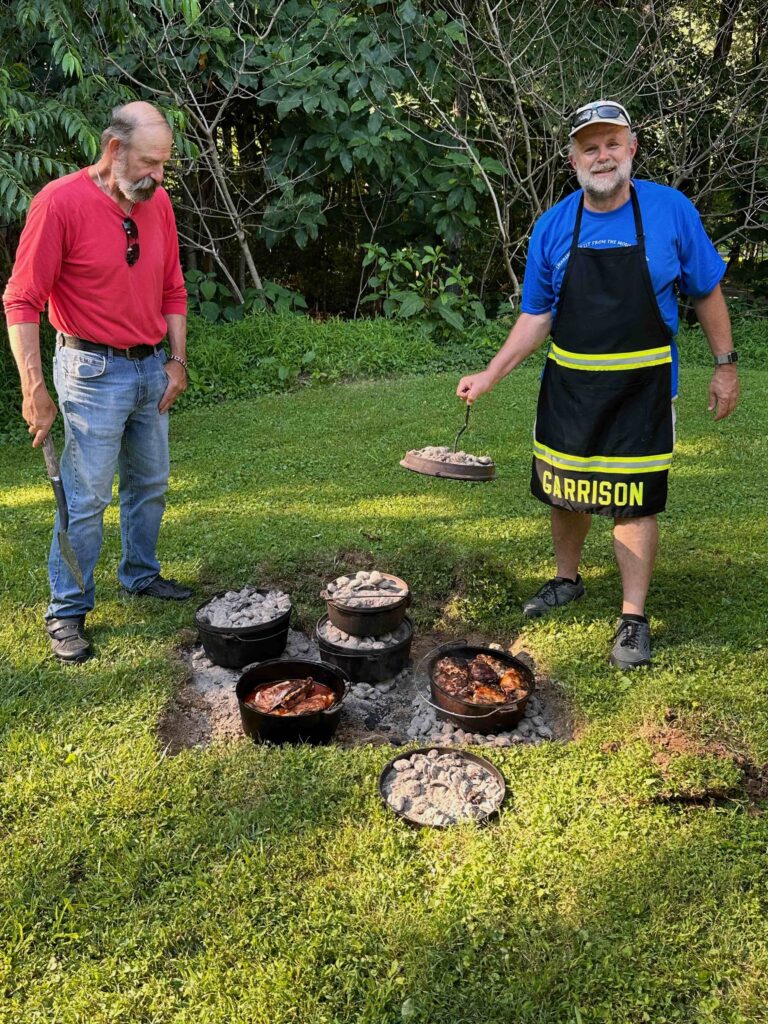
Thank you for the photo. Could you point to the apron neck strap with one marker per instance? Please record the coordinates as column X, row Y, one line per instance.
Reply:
column 635, row 213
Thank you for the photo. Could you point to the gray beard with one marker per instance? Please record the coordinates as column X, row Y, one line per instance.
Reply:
column 601, row 188
column 134, row 191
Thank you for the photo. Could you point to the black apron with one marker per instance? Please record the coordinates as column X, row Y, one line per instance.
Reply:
column 603, row 437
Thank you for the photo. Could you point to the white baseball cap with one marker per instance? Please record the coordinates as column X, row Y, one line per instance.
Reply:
column 599, row 112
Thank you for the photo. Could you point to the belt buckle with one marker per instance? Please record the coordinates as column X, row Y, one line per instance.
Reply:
column 128, row 352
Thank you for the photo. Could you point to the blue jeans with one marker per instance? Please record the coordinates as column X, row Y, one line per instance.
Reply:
column 109, row 405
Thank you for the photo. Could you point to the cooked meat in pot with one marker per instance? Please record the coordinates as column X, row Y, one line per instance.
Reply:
column 292, row 697
column 487, row 695
column 452, row 675
column 513, row 684
column 482, row 673
column 498, row 666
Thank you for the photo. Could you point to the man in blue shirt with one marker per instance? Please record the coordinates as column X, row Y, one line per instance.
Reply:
column 603, row 266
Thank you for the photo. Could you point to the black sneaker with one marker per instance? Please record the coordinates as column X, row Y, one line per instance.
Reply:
column 68, row 640
column 164, row 590
column 555, row 592
column 632, row 644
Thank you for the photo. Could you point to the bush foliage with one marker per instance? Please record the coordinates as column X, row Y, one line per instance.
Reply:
column 269, row 352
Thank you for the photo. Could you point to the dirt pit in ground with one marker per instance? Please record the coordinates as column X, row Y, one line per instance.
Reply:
column 396, row 711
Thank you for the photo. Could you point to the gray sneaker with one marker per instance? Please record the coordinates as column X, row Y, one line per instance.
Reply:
column 554, row 593
column 632, row 644
column 68, row 640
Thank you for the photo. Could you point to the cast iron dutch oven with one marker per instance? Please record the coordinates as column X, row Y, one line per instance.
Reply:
column 317, row 727
column 365, row 666
column 234, row 647
column 369, row 621
column 477, row 718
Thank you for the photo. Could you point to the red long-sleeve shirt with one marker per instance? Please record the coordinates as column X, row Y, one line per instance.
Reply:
column 72, row 255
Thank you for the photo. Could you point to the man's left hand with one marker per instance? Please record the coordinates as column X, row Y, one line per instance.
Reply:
column 723, row 391
column 177, row 382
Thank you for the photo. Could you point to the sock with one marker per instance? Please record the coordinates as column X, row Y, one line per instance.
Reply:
column 633, row 618
column 566, row 579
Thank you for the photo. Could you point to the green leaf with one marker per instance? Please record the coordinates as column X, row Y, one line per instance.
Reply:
column 210, row 310
column 411, row 304
column 450, row 316
column 208, row 289
column 407, row 13
column 492, row 166
column 289, row 103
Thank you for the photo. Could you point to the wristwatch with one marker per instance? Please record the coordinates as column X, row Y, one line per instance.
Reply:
column 726, row 357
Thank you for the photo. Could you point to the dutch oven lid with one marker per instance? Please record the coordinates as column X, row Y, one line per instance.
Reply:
column 448, row 470
column 457, row 752
column 367, row 652
column 389, row 606
column 257, row 626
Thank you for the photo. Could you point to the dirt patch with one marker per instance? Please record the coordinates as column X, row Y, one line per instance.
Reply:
column 395, row 711
column 671, row 741
column 688, row 767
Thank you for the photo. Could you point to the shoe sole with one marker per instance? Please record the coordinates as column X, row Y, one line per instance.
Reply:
column 73, row 661
column 627, row 666
column 540, row 615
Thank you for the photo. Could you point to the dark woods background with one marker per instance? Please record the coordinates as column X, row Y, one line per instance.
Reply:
column 374, row 157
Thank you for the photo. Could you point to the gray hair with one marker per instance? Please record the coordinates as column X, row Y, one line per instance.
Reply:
column 123, row 125
column 120, row 128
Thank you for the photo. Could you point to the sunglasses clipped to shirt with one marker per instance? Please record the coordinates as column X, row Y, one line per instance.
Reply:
column 582, row 117
column 133, row 251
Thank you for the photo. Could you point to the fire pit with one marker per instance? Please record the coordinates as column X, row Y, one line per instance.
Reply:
column 441, row 786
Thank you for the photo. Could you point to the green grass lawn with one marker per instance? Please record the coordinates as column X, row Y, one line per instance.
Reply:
column 245, row 884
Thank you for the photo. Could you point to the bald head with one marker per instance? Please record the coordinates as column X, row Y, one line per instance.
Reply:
column 136, row 118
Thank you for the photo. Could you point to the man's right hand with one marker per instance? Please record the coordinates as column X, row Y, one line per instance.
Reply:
column 39, row 411
column 470, row 388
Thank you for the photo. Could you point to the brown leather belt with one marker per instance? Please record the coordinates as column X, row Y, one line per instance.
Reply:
column 134, row 352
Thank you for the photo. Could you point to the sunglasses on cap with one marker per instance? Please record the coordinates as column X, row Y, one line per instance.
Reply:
column 133, row 251
column 599, row 110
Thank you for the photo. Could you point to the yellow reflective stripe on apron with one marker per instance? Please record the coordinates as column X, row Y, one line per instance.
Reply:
column 615, row 361
column 602, row 463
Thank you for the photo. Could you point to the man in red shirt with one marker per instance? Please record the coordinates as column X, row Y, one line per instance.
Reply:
column 100, row 248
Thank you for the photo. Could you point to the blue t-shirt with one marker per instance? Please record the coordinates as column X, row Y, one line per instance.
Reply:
column 677, row 247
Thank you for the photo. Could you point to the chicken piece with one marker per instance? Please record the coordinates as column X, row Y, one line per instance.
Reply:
column 480, row 672
column 498, row 666
column 513, row 684
column 452, row 675
column 487, row 695
column 268, row 698
column 309, row 705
